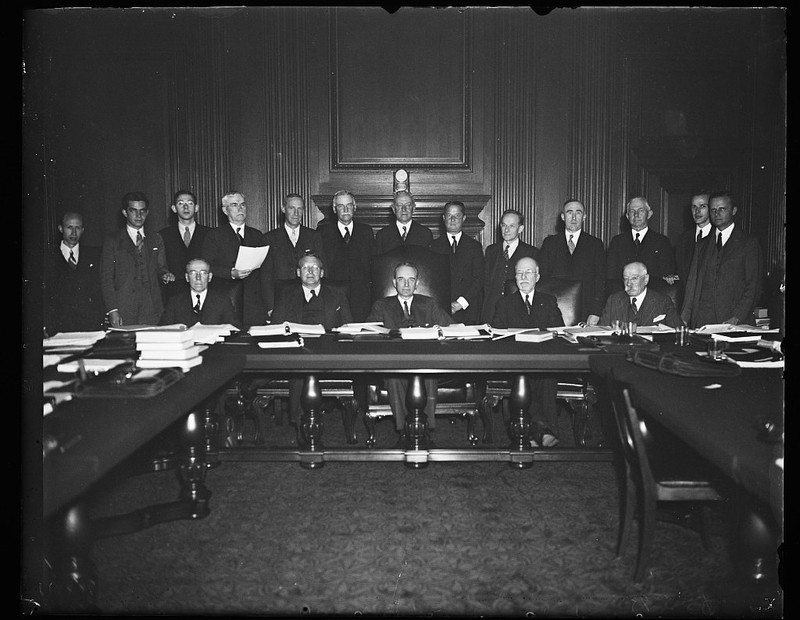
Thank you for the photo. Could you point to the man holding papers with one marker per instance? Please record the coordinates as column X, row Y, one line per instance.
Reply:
column 533, row 309
column 309, row 302
column 199, row 304
column 221, row 250
column 638, row 303
column 408, row 310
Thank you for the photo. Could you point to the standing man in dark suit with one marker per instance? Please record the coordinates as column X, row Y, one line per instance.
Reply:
column 638, row 303
column 198, row 303
column 466, row 265
column 404, row 230
column 133, row 267
column 184, row 241
column 73, row 299
column 349, row 246
column 529, row 308
column 287, row 244
column 577, row 255
column 690, row 239
column 220, row 250
column 640, row 244
column 499, row 263
column 725, row 279
column 309, row 302
column 406, row 309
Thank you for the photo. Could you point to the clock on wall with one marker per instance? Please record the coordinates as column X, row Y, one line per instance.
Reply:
column 400, row 181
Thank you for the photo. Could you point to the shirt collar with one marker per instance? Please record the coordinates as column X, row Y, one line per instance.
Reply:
column 65, row 250
column 409, row 300
column 575, row 235
column 726, row 234
column 235, row 226
column 522, row 295
column 400, row 226
column 512, row 246
column 289, row 230
column 641, row 233
column 343, row 227
column 182, row 227
column 456, row 235
column 640, row 298
column 307, row 291
column 705, row 229
column 132, row 232
column 203, row 295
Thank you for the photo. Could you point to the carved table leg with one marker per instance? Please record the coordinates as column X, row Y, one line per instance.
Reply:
column 311, row 422
column 416, row 421
column 350, row 413
column 519, row 401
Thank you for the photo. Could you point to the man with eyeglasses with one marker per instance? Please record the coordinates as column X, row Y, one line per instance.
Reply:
column 220, row 250
column 133, row 266
column 287, row 244
column 404, row 230
column 311, row 302
column 638, row 303
column 198, row 303
column 349, row 246
column 529, row 308
column 183, row 240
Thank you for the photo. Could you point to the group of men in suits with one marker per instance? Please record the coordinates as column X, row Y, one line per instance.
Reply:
column 323, row 275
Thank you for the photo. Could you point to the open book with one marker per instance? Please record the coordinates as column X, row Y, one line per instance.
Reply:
column 286, row 328
column 362, row 328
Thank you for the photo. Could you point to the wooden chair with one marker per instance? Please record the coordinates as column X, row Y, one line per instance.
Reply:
column 655, row 469
column 575, row 393
column 455, row 397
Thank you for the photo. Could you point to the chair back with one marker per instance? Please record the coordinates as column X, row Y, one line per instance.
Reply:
column 670, row 290
column 568, row 297
column 633, row 433
column 434, row 273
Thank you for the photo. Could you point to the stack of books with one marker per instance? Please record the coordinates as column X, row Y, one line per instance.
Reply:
column 762, row 318
column 168, row 348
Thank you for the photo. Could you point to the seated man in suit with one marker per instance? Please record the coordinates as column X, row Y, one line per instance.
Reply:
column 199, row 304
column 531, row 308
column 310, row 302
column 408, row 310
column 637, row 303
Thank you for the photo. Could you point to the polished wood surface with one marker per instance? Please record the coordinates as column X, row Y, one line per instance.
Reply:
column 86, row 438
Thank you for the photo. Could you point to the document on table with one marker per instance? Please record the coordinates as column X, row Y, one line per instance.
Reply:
column 362, row 328
column 286, row 328
column 250, row 258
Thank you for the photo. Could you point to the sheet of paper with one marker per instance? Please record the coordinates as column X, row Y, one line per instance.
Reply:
column 250, row 258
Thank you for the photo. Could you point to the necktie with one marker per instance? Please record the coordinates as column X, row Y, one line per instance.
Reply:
column 347, row 235
column 528, row 303
column 633, row 305
column 406, row 312
column 699, row 236
column 719, row 242
column 239, row 234
column 293, row 236
column 454, row 244
column 187, row 237
column 636, row 241
column 313, row 295
column 505, row 252
column 197, row 304
column 405, row 232
column 139, row 240
column 72, row 262
column 571, row 244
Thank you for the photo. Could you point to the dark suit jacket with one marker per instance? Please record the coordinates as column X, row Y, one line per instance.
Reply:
column 281, row 262
column 178, row 254
column 618, row 308
column 587, row 264
column 499, row 276
column 118, row 276
column 721, row 286
column 655, row 251
column 73, row 301
column 220, row 249
column 466, row 275
column 684, row 252
column 217, row 310
column 511, row 311
column 350, row 264
column 290, row 299
column 424, row 312
column 388, row 237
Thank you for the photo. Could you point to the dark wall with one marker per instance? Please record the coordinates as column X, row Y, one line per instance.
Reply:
column 500, row 108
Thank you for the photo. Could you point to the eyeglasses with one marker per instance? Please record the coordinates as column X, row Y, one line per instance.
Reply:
column 526, row 273
column 236, row 205
column 185, row 203
column 202, row 273
column 311, row 268
column 349, row 205
column 631, row 279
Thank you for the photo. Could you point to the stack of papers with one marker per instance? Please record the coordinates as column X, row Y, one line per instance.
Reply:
column 467, row 332
column 285, row 341
column 362, row 328
column 421, row 333
column 72, row 342
column 534, row 335
column 721, row 328
column 287, row 328
column 209, row 334
column 91, row 364
column 170, row 347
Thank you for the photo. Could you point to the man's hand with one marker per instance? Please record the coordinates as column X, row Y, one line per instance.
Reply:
column 670, row 279
column 592, row 320
column 455, row 307
column 240, row 274
column 732, row 321
column 168, row 277
column 114, row 319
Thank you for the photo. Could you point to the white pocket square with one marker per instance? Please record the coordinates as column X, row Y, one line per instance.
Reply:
column 660, row 317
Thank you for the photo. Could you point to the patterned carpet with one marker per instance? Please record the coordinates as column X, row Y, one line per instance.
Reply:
column 454, row 539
